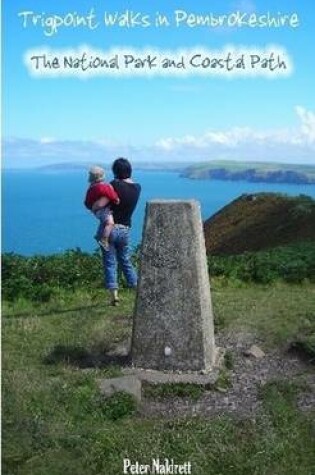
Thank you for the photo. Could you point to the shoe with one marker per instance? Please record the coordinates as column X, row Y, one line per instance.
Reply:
column 114, row 299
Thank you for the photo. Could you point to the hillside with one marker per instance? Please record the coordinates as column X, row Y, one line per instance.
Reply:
column 260, row 221
column 252, row 172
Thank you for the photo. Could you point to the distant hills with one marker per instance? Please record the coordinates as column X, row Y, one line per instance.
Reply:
column 83, row 166
column 260, row 221
column 252, row 172
column 215, row 170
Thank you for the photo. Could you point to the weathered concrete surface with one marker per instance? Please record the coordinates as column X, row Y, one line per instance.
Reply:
column 160, row 377
column 173, row 320
column 129, row 384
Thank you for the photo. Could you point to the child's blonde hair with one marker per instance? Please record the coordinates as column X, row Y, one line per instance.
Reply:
column 96, row 174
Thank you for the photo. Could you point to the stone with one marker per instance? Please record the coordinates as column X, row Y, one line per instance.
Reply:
column 159, row 377
column 222, row 390
column 173, row 318
column 120, row 349
column 129, row 384
column 254, row 351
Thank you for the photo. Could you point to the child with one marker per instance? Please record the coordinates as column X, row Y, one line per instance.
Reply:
column 98, row 197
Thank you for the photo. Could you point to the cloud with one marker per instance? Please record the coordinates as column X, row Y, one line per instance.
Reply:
column 308, row 124
column 30, row 153
column 246, row 143
column 44, row 140
column 295, row 145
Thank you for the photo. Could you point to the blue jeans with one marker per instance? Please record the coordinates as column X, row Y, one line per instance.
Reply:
column 103, row 216
column 118, row 254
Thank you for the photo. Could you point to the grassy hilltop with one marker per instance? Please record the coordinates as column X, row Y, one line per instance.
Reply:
column 260, row 221
column 56, row 422
column 258, row 418
column 252, row 172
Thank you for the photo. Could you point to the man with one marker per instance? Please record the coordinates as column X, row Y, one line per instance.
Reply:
column 118, row 252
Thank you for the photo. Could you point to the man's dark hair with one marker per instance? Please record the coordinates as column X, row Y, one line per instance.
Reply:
column 122, row 169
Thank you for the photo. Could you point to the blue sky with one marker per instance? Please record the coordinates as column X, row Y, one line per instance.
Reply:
column 59, row 119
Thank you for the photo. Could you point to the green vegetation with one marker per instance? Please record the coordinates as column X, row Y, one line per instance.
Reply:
column 190, row 390
column 293, row 263
column 53, row 278
column 56, row 327
column 118, row 406
column 252, row 171
column 56, row 422
column 279, row 313
column 45, row 285
column 228, row 360
column 41, row 278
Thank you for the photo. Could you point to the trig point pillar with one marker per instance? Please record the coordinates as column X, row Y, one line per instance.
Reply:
column 173, row 320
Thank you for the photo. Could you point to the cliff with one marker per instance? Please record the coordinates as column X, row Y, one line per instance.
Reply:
column 252, row 172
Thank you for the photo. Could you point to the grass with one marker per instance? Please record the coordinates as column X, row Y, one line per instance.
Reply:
column 190, row 390
column 55, row 421
column 276, row 313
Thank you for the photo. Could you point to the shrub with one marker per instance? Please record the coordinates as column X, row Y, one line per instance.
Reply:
column 119, row 405
column 294, row 271
column 38, row 277
column 292, row 263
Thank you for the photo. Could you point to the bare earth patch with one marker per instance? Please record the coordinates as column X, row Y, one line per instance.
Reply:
column 247, row 376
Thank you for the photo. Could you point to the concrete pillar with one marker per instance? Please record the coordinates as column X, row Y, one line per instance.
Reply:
column 173, row 319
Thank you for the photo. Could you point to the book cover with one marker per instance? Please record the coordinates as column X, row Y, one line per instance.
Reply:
column 206, row 101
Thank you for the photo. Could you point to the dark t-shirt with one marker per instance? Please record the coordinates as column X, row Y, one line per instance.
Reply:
column 128, row 194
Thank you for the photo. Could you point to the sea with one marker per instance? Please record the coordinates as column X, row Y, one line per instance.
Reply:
column 43, row 212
